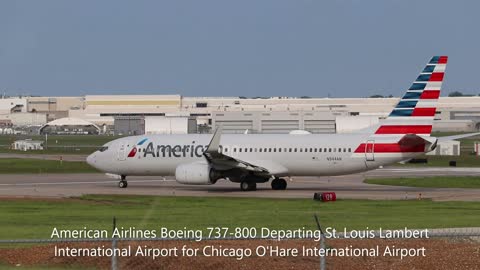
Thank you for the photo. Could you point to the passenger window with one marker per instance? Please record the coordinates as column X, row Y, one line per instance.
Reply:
column 250, row 149
column 269, row 149
column 260, row 149
column 329, row 149
column 306, row 150
column 279, row 149
column 301, row 149
column 289, row 149
column 274, row 149
column 320, row 150
column 295, row 150
column 239, row 149
column 234, row 149
column 226, row 150
column 345, row 150
column 349, row 149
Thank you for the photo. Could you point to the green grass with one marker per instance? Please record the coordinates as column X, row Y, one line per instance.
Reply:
column 36, row 218
column 464, row 160
column 17, row 165
column 59, row 144
column 438, row 182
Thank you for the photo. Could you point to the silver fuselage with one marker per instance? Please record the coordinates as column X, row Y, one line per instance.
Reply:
column 300, row 155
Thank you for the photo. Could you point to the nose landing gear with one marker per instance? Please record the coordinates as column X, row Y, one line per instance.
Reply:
column 123, row 183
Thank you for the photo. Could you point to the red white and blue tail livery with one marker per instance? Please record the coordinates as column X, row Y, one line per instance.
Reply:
column 415, row 111
column 248, row 159
column 406, row 130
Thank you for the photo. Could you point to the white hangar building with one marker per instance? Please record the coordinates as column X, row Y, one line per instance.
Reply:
column 272, row 114
column 453, row 113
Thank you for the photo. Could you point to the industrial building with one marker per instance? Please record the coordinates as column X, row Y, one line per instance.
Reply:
column 169, row 114
column 276, row 121
column 448, row 148
column 154, row 124
column 27, row 145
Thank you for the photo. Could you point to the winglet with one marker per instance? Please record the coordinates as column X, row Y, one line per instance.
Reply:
column 214, row 144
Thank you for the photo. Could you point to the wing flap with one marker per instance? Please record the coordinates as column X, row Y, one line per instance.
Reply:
column 214, row 156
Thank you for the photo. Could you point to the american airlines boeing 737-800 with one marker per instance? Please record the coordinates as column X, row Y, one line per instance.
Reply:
column 248, row 159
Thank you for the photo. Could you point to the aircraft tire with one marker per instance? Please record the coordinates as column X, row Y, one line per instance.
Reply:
column 283, row 184
column 248, row 186
column 123, row 184
column 279, row 184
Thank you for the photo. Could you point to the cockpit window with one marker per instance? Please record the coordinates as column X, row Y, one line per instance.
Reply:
column 103, row 148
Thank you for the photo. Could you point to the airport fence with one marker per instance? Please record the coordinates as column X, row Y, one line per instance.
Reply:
column 458, row 245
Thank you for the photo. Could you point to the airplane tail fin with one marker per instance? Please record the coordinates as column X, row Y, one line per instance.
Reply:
column 415, row 111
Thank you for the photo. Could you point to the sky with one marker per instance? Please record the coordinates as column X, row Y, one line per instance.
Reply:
column 342, row 48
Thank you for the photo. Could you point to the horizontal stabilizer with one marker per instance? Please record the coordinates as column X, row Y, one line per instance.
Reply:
column 456, row 137
column 415, row 140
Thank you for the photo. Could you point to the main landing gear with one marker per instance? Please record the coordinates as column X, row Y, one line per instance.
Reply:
column 248, row 186
column 279, row 184
column 123, row 183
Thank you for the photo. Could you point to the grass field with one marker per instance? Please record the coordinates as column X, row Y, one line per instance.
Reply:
column 59, row 144
column 438, row 181
column 17, row 165
column 464, row 160
column 31, row 218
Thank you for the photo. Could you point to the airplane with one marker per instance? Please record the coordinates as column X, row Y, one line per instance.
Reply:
column 248, row 159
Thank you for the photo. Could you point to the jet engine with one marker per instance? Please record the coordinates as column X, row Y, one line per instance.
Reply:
column 196, row 174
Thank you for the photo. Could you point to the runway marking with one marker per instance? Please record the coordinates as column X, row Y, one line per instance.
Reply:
column 83, row 182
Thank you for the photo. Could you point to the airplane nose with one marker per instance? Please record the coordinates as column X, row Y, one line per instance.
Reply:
column 91, row 160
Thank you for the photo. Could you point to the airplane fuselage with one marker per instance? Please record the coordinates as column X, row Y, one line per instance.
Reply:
column 294, row 155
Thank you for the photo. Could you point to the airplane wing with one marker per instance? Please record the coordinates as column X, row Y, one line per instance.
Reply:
column 223, row 162
column 456, row 137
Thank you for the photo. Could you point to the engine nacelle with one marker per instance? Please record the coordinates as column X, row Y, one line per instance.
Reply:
column 196, row 174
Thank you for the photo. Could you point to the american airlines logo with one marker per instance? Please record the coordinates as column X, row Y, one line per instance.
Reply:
column 133, row 152
column 162, row 150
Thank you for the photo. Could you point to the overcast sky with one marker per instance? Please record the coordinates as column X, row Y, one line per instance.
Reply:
column 314, row 48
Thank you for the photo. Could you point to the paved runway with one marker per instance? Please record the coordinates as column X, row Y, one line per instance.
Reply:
column 350, row 186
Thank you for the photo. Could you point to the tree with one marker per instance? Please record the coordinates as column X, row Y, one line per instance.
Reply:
column 455, row 94
column 459, row 94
